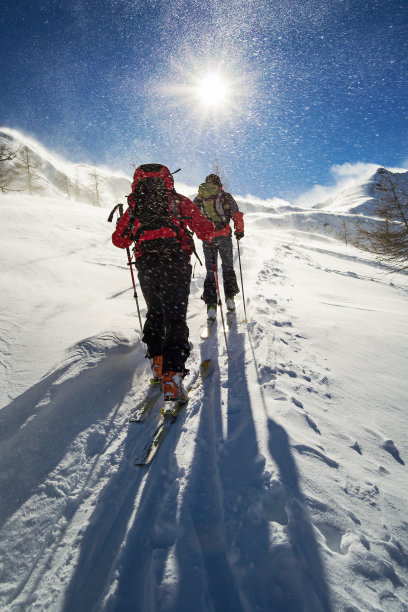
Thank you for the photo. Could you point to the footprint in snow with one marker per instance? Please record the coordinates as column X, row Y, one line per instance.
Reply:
column 390, row 447
column 334, row 537
column 267, row 374
column 284, row 370
column 354, row 518
column 357, row 448
column 282, row 323
column 274, row 501
column 366, row 492
column 312, row 424
column 297, row 402
column 304, row 449
column 308, row 418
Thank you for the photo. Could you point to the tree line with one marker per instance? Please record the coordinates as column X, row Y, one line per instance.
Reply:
column 20, row 172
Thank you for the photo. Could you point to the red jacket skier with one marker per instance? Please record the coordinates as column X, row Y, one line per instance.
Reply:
column 158, row 222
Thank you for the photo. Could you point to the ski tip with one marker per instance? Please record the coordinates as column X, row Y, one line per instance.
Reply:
column 140, row 464
column 155, row 382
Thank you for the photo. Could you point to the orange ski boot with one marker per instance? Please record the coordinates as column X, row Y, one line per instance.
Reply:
column 173, row 389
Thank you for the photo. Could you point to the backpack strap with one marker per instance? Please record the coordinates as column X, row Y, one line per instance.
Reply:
column 174, row 229
column 219, row 207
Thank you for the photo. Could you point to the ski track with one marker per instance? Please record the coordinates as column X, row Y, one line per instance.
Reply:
column 241, row 512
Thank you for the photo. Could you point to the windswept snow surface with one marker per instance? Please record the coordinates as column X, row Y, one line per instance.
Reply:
column 283, row 484
column 52, row 175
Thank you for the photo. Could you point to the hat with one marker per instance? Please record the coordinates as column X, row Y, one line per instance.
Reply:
column 214, row 179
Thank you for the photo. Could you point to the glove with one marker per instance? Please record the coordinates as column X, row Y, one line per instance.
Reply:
column 238, row 235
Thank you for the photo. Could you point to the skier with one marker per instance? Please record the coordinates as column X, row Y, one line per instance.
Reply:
column 220, row 207
column 157, row 221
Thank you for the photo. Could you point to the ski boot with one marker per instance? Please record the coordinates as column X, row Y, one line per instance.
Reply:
column 230, row 303
column 211, row 312
column 173, row 389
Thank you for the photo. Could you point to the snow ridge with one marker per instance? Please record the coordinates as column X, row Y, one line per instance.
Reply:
column 54, row 176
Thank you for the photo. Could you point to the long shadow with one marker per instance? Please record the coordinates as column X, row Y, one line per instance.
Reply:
column 189, row 537
column 38, row 426
column 203, row 511
column 299, row 571
column 241, row 469
column 295, row 571
column 105, row 535
column 132, row 528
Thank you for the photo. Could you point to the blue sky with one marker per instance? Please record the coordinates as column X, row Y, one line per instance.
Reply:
column 310, row 85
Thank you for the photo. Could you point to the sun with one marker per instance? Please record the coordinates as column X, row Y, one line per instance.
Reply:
column 212, row 90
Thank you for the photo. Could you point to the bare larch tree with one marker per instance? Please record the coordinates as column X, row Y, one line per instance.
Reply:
column 388, row 237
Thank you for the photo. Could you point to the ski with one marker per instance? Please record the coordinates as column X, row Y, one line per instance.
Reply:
column 207, row 330
column 231, row 318
column 170, row 414
column 145, row 407
column 161, row 432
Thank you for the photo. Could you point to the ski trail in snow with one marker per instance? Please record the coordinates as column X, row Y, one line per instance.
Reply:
column 262, row 495
column 240, row 532
column 292, row 558
column 191, row 501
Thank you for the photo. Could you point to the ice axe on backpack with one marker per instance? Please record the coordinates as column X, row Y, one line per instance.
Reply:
column 119, row 207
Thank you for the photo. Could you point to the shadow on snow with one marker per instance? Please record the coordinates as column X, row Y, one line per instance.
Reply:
column 201, row 538
column 38, row 427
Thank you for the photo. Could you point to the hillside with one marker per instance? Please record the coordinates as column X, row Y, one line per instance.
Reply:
column 364, row 195
column 280, row 486
column 37, row 171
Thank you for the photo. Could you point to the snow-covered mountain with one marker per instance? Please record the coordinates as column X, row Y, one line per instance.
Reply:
column 364, row 195
column 34, row 169
column 336, row 216
column 281, row 486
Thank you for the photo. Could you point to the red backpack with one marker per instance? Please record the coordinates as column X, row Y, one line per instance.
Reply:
column 153, row 171
column 156, row 205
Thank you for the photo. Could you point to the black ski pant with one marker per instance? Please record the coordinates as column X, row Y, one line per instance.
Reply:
column 165, row 282
column 223, row 246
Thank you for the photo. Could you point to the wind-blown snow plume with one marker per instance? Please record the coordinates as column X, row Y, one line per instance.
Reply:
column 35, row 170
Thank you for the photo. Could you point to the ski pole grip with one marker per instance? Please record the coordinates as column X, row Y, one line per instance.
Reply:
column 112, row 212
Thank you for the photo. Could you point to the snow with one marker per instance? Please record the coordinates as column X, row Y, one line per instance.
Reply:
column 55, row 176
column 282, row 484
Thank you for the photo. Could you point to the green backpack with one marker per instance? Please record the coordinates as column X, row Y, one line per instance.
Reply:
column 211, row 198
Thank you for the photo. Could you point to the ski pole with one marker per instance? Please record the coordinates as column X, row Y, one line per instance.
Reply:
column 242, row 282
column 219, row 296
column 130, row 263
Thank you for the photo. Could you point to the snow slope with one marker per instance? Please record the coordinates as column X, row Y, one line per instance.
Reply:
column 361, row 195
column 282, row 486
column 54, row 176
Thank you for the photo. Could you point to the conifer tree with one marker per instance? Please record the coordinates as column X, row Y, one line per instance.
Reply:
column 387, row 238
